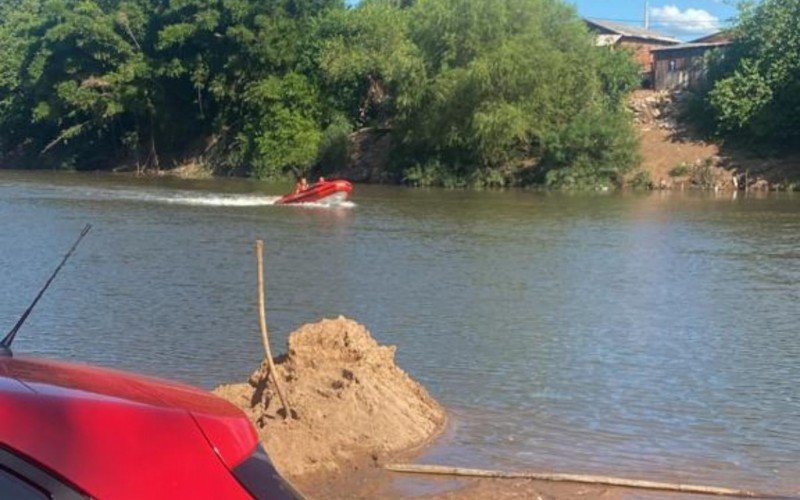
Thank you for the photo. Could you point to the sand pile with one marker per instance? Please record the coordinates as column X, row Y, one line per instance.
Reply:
column 351, row 403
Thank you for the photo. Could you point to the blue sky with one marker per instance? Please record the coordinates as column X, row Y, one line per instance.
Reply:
column 684, row 19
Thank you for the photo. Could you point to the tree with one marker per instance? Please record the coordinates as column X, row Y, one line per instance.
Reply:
column 491, row 92
column 367, row 58
column 284, row 125
column 759, row 98
column 509, row 84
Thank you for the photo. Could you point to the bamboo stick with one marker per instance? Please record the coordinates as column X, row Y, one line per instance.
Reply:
column 262, row 323
column 572, row 478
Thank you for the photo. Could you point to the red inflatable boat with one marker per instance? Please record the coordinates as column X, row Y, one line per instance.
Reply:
column 322, row 192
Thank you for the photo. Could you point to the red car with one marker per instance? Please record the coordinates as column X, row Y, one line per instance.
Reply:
column 72, row 431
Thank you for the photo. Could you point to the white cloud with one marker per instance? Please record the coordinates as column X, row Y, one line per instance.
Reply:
column 689, row 21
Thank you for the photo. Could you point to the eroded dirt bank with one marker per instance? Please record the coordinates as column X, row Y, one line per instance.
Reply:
column 675, row 156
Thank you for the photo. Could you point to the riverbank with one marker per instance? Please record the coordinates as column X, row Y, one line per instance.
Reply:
column 674, row 156
column 353, row 409
column 343, row 409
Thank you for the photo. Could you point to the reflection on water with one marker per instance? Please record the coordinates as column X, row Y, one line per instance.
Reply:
column 651, row 335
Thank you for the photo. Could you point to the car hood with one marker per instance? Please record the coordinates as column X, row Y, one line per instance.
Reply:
column 79, row 418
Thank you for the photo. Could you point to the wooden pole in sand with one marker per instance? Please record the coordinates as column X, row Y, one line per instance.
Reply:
column 262, row 323
column 572, row 478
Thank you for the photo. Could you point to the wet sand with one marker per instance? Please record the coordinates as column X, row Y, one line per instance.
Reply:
column 375, row 483
column 352, row 411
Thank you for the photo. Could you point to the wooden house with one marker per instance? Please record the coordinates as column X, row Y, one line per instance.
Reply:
column 685, row 66
column 642, row 42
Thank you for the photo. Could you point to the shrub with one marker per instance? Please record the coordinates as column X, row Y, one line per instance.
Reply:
column 680, row 170
column 641, row 180
column 703, row 175
column 755, row 93
column 333, row 148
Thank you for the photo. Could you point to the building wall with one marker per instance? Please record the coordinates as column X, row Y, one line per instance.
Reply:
column 680, row 69
column 642, row 51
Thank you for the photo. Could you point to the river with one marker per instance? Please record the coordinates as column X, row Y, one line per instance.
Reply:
column 651, row 335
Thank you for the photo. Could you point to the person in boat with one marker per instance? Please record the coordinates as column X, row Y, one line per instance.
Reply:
column 301, row 185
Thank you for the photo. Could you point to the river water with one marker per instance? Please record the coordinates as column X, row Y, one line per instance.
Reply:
column 650, row 335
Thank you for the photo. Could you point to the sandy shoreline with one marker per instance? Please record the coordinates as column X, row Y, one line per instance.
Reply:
column 353, row 411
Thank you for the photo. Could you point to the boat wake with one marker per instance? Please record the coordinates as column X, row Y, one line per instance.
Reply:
column 192, row 198
column 177, row 197
column 319, row 204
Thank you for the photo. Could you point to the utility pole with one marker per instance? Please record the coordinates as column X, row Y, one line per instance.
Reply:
column 646, row 14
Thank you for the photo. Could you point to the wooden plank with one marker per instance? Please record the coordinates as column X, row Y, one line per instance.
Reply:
column 574, row 478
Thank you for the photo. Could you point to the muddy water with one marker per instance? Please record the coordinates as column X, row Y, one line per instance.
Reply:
column 653, row 335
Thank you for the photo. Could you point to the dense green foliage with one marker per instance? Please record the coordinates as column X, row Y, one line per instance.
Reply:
column 514, row 84
column 755, row 91
column 475, row 92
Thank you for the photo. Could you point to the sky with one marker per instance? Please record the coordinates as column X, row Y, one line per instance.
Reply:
column 684, row 19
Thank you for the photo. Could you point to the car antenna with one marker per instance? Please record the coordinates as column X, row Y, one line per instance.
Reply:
column 5, row 344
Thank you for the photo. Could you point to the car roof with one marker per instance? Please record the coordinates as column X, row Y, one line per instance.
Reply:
column 121, row 435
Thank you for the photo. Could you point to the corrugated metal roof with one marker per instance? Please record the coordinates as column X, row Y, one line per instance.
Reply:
column 719, row 36
column 631, row 31
column 685, row 46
